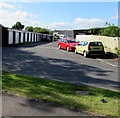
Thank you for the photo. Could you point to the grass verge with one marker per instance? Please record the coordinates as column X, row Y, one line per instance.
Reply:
column 62, row 93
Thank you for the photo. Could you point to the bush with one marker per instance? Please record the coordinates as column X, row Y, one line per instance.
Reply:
column 29, row 28
column 112, row 31
column 95, row 31
column 37, row 29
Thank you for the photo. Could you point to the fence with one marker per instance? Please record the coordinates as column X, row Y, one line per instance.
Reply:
column 12, row 36
column 110, row 43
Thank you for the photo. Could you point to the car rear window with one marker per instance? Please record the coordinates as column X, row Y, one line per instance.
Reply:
column 85, row 43
column 95, row 44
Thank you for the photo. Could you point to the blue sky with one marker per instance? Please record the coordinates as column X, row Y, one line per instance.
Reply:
column 59, row 15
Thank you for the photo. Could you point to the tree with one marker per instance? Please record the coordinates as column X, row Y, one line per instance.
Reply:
column 50, row 32
column 111, row 30
column 37, row 29
column 107, row 23
column 29, row 28
column 18, row 26
column 95, row 31
column 56, row 36
column 42, row 30
column 45, row 31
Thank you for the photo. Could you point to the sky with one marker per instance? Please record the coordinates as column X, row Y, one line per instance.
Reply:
column 58, row 15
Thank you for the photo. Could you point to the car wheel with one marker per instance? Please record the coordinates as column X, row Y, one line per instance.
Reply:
column 67, row 48
column 85, row 54
column 76, row 51
column 59, row 46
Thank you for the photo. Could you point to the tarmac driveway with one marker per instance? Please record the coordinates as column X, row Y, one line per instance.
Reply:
column 45, row 60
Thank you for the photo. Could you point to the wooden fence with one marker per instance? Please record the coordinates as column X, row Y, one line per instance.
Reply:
column 12, row 36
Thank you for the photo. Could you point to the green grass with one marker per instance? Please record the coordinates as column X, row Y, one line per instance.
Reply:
column 63, row 94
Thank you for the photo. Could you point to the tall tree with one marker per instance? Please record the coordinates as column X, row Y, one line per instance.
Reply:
column 44, row 30
column 37, row 29
column 18, row 26
column 29, row 28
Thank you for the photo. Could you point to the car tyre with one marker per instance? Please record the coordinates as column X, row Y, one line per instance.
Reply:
column 85, row 54
column 76, row 51
column 67, row 49
column 59, row 46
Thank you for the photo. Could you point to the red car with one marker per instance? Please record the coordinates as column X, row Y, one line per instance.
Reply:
column 67, row 43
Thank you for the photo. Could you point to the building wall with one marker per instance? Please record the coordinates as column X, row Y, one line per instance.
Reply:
column 66, row 33
column 12, row 36
column 110, row 43
column 80, row 32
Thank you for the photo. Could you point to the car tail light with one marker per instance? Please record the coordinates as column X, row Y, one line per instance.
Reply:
column 89, row 48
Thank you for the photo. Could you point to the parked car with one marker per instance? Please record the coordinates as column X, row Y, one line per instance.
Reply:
column 67, row 43
column 90, row 48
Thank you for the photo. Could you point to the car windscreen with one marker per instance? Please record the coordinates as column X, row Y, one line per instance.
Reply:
column 72, row 40
column 95, row 44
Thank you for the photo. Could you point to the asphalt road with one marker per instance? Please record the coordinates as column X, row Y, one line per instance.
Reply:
column 45, row 60
column 13, row 105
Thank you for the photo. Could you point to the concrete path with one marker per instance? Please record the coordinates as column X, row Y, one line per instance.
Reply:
column 20, row 106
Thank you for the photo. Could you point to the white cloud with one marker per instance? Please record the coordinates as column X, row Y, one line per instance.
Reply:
column 114, row 17
column 9, row 16
column 88, row 23
column 78, row 23
column 79, row 20
column 60, row 25
column 6, row 6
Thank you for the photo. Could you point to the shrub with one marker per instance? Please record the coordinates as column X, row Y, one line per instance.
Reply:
column 29, row 28
column 117, row 50
column 112, row 31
